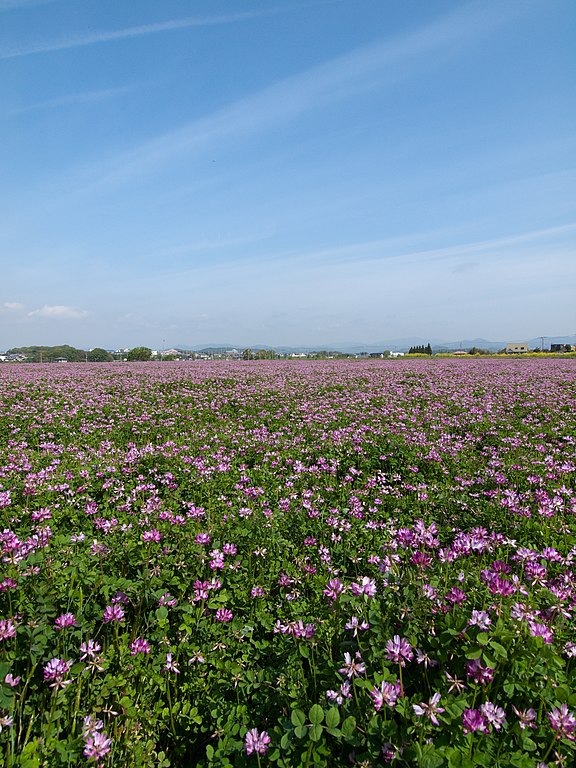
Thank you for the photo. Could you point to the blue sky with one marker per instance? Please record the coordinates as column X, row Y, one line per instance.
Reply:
column 286, row 172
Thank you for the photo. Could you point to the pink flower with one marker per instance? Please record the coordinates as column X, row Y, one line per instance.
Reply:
column 480, row 619
column 170, row 665
column 353, row 667
column 113, row 613
column 7, row 629
column 339, row 696
column 55, row 671
column 65, row 620
column 139, row 646
column 563, row 722
column 91, row 648
column 388, row 693
column 473, row 720
column 478, row 673
column 334, row 589
column 97, row 745
column 224, row 615
column 526, row 717
column 494, row 715
column 355, row 625
column 541, row 630
column 399, row 650
column 366, row 586
column 256, row 742
column 429, row 710
column 152, row 535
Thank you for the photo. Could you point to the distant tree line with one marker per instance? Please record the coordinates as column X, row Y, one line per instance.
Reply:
column 420, row 350
column 42, row 354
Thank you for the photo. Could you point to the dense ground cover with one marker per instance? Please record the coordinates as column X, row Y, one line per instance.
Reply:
column 294, row 564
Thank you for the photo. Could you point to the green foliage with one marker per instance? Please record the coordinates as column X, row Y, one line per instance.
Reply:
column 99, row 355
column 139, row 354
column 420, row 349
column 38, row 354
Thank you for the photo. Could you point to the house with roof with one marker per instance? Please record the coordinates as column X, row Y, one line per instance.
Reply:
column 516, row 348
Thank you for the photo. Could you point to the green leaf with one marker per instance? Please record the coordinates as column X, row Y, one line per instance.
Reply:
column 457, row 759
column 527, row 742
column 499, row 650
column 474, row 654
column 316, row 714
column 297, row 717
column 304, row 651
column 300, row 731
column 315, row 732
column 348, row 727
column 332, row 717
column 162, row 613
column 521, row 760
column 482, row 638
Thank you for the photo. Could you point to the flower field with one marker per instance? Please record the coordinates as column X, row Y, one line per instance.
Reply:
column 288, row 564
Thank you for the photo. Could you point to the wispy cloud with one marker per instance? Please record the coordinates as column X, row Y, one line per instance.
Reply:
column 384, row 62
column 83, row 40
column 72, row 99
column 59, row 312
column 12, row 5
column 403, row 249
column 13, row 306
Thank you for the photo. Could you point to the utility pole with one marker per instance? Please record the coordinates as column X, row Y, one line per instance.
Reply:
column 541, row 343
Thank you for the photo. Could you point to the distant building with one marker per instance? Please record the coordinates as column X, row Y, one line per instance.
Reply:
column 516, row 347
column 562, row 348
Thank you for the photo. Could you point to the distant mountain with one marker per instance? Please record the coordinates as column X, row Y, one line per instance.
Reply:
column 402, row 344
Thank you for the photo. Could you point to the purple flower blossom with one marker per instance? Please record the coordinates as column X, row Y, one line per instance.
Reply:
column 113, row 613
column 387, row 693
column 11, row 680
column 455, row 684
column 90, row 648
column 355, row 625
column 526, row 717
column 224, row 615
column 366, row 586
column 55, row 671
column 339, row 696
column 399, row 650
column 479, row 673
column 7, row 629
column 65, row 620
column 430, row 710
column 97, row 745
column 170, row 665
column 152, row 535
column 563, row 722
column 139, row 646
column 353, row 667
column 541, row 630
column 5, row 721
column 473, row 720
column 256, row 742
column 168, row 600
column 334, row 589
column 494, row 715
column 480, row 619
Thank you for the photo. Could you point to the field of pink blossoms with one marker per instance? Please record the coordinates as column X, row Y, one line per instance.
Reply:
column 288, row 564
